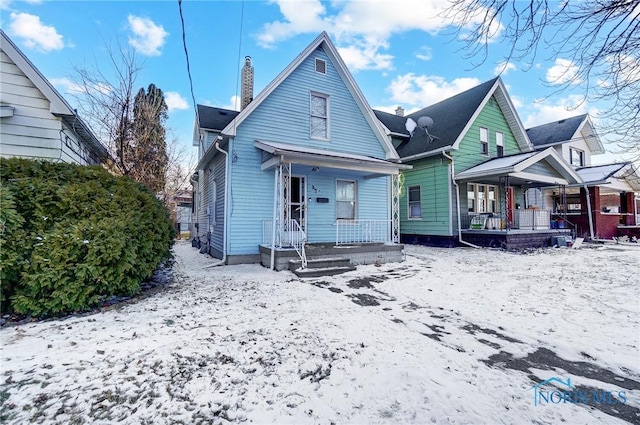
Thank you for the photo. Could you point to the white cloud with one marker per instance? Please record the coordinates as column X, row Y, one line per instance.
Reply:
column 34, row 33
column 175, row 101
column 361, row 30
column 546, row 111
column 234, row 103
column 424, row 53
column 425, row 90
column 361, row 56
column 563, row 71
column 148, row 38
column 503, row 67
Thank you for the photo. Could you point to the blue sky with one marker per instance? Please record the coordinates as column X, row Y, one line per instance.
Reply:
column 398, row 51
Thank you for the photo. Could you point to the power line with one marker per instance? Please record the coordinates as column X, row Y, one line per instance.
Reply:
column 186, row 53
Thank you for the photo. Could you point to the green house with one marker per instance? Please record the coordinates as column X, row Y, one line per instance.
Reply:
column 472, row 166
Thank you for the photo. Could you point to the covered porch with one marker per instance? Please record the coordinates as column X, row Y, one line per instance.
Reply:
column 497, row 211
column 329, row 205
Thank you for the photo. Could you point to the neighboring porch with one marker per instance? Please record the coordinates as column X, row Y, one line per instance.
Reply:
column 497, row 211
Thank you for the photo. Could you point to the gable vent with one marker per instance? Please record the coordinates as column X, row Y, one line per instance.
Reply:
column 321, row 66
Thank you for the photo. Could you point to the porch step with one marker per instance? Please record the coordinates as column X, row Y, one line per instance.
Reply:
column 321, row 267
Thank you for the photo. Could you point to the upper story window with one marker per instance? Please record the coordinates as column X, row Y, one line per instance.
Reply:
column 319, row 128
column 576, row 157
column 500, row 144
column 484, row 141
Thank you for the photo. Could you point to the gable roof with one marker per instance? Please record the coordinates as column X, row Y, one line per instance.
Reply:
column 57, row 104
column 212, row 118
column 323, row 42
column 566, row 130
column 517, row 165
column 453, row 117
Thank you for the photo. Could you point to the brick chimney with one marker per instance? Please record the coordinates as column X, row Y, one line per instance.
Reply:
column 400, row 111
column 246, row 95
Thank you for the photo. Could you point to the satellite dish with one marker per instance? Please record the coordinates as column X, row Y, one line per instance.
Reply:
column 410, row 125
column 425, row 122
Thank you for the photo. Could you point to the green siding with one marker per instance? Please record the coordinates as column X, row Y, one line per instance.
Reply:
column 432, row 175
column 491, row 118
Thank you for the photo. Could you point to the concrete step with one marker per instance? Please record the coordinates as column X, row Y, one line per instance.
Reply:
column 320, row 272
column 320, row 263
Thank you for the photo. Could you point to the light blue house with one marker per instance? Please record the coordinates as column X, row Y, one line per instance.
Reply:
column 304, row 171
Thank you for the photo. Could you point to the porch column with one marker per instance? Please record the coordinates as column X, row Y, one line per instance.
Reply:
column 626, row 207
column 396, row 186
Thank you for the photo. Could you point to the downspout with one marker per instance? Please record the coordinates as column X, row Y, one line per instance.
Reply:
column 455, row 183
column 586, row 188
column 226, row 205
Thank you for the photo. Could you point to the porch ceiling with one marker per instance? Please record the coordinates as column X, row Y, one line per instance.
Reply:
column 283, row 152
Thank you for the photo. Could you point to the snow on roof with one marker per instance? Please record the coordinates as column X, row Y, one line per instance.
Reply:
column 276, row 146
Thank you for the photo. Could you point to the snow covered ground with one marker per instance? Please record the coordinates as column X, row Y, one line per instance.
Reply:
column 449, row 336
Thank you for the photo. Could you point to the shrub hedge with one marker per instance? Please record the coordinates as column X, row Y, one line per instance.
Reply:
column 72, row 236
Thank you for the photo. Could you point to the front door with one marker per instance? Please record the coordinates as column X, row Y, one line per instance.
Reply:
column 297, row 205
column 510, row 205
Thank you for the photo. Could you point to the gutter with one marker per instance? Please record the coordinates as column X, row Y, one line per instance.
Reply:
column 426, row 154
column 455, row 183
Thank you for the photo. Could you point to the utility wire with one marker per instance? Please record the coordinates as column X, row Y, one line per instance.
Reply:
column 186, row 54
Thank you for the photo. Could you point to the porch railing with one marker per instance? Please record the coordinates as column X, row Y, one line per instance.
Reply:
column 529, row 219
column 363, row 231
column 290, row 234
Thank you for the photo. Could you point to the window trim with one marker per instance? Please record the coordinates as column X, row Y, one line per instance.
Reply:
column 484, row 144
column 316, row 66
column 409, row 202
column 488, row 201
column 327, row 118
column 355, row 199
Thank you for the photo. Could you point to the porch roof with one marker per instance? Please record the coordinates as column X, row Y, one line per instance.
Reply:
column 284, row 152
column 620, row 176
column 522, row 168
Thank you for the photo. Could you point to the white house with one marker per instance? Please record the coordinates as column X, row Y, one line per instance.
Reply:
column 36, row 122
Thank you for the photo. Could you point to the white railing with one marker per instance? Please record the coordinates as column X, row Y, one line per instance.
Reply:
column 294, row 235
column 288, row 235
column 532, row 219
column 363, row 231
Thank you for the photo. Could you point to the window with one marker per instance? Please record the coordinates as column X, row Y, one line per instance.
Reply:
column 319, row 116
column 415, row 203
column 576, row 157
column 484, row 141
column 345, row 200
column 321, row 66
column 214, row 201
column 481, row 198
column 500, row 144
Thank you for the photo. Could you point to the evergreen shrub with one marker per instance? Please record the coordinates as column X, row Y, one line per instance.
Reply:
column 72, row 236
